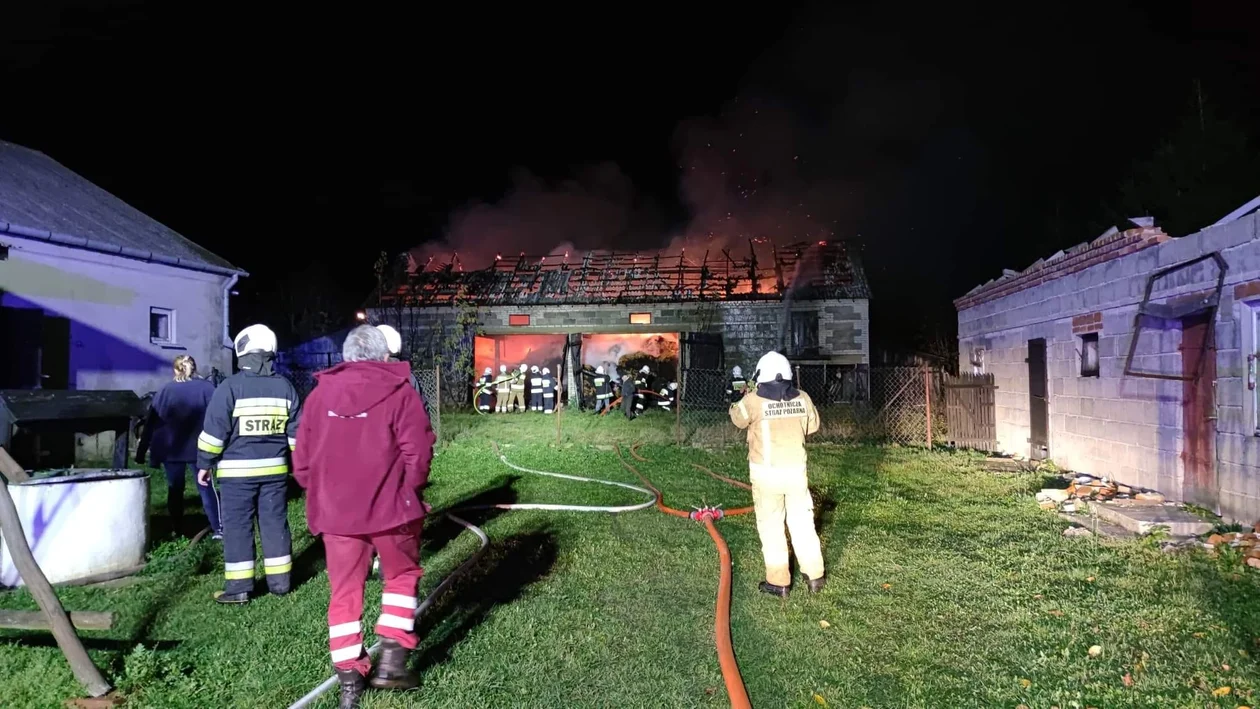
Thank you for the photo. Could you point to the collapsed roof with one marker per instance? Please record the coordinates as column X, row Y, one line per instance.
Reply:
column 808, row 271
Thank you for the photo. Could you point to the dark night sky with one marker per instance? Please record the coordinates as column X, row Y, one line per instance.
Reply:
column 954, row 141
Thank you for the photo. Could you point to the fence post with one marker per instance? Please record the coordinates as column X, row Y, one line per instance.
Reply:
column 437, row 405
column 558, row 409
column 678, row 404
column 927, row 398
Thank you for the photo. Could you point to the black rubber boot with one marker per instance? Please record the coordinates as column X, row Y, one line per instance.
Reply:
column 816, row 585
column 391, row 669
column 353, row 685
column 767, row 587
column 231, row 599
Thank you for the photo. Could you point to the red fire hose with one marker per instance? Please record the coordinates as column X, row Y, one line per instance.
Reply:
column 726, row 652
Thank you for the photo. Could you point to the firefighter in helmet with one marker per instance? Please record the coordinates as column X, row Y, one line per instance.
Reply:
column 501, row 389
column 518, row 388
column 249, row 431
column 485, row 391
column 778, row 417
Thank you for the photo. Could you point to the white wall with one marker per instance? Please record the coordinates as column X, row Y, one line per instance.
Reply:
column 108, row 299
column 1130, row 428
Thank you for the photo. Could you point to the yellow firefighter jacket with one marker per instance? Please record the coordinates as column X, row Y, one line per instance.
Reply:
column 776, row 430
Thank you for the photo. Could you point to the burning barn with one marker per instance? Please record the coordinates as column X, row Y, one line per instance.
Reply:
column 676, row 312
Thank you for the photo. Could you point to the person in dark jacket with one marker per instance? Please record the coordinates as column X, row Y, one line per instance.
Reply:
column 628, row 397
column 170, row 434
column 363, row 456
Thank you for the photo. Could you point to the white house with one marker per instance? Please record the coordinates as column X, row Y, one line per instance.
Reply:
column 1134, row 357
column 93, row 293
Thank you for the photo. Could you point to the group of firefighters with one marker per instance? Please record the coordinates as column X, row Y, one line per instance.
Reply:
column 363, row 456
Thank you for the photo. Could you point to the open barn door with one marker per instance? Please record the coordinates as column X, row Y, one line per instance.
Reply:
column 572, row 375
column 703, row 385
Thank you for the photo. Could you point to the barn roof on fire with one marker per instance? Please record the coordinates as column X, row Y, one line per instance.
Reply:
column 823, row 270
column 42, row 199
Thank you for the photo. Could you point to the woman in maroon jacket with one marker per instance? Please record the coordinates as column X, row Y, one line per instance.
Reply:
column 364, row 445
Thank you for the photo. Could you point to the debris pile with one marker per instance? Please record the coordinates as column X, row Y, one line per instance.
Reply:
column 1086, row 488
column 1248, row 543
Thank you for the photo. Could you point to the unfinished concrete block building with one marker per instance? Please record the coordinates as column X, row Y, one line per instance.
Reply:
column 1132, row 357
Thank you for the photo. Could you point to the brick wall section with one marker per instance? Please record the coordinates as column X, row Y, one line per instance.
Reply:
column 748, row 329
column 1082, row 324
column 1128, row 428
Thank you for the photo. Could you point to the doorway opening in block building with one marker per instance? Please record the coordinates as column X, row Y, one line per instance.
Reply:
column 627, row 354
column 512, row 351
column 1198, row 409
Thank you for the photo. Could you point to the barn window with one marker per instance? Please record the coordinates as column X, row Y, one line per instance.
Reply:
column 640, row 318
column 1089, row 354
column 804, row 333
column 161, row 326
column 519, row 320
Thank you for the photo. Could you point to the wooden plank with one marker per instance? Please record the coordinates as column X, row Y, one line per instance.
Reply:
column 11, row 470
column 37, row 584
column 36, row 620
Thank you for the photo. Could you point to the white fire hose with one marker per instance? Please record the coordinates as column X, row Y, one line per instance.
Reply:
column 429, row 600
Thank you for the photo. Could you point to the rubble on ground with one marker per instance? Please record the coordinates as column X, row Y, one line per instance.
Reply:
column 1248, row 544
column 1087, row 488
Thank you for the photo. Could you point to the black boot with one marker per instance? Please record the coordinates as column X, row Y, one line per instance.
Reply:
column 816, row 585
column 353, row 685
column 767, row 587
column 231, row 599
column 391, row 669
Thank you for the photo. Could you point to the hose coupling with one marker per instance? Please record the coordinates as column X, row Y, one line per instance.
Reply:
column 707, row 513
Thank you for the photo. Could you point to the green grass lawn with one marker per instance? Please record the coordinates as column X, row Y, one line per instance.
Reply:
column 948, row 588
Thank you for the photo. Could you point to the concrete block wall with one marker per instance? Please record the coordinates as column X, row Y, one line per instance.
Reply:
column 748, row 329
column 1130, row 428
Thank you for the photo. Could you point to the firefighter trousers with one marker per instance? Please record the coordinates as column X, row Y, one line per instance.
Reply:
column 501, row 401
column 241, row 500
column 483, row 401
column 518, row 399
column 782, row 496
column 349, row 562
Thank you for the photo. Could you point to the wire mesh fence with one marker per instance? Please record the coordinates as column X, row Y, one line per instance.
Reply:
column 300, row 369
column 855, row 405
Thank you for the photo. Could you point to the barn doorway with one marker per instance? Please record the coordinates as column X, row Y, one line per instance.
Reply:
column 1198, row 409
column 493, row 351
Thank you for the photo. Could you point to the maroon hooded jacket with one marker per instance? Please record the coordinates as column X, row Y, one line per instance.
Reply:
column 364, row 445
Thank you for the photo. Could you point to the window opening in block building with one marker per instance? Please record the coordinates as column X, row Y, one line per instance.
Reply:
column 640, row 318
column 161, row 326
column 804, row 334
column 977, row 360
column 518, row 320
column 1089, row 354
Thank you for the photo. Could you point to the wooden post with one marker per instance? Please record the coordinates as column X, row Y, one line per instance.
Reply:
column 678, row 412
column 35, row 620
column 927, row 398
column 556, row 407
column 11, row 527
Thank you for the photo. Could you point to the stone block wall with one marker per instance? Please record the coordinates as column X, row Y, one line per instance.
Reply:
column 1128, row 428
column 748, row 329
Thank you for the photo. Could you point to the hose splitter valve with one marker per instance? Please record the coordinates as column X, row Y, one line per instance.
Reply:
column 708, row 513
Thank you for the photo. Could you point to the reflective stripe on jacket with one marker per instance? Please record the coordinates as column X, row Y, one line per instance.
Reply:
column 776, row 429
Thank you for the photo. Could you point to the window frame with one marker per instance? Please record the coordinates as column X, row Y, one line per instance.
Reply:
column 514, row 320
column 171, row 332
column 640, row 318
column 1086, row 340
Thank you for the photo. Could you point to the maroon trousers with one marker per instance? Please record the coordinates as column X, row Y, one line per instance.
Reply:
column 349, row 563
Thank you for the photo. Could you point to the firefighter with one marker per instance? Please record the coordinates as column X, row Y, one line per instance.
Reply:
column 778, row 417
column 518, row 388
column 501, row 389
column 735, row 388
column 603, row 390
column 535, row 389
column 628, row 397
column 642, row 381
column 548, row 392
column 666, row 402
column 248, row 433
column 484, row 389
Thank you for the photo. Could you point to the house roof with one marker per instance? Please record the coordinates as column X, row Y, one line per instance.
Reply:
column 42, row 199
column 826, row 270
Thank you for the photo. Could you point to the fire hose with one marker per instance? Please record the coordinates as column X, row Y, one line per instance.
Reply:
column 429, row 600
column 613, row 404
column 735, row 689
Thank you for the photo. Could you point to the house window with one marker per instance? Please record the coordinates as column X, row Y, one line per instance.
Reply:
column 520, row 320
column 640, row 318
column 804, row 333
column 977, row 360
column 161, row 326
column 1089, row 354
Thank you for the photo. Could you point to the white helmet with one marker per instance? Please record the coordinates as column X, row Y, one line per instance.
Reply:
column 524, row 367
column 645, row 369
column 599, row 370
column 392, row 338
column 736, row 371
column 546, row 371
column 488, row 371
column 255, row 338
column 771, row 366
column 534, row 369
column 673, row 386
column 502, row 369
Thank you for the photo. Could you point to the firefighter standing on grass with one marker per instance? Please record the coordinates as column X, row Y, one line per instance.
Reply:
column 778, row 417
column 603, row 389
column 518, row 388
column 501, row 390
column 249, row 430
column 484, row 389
